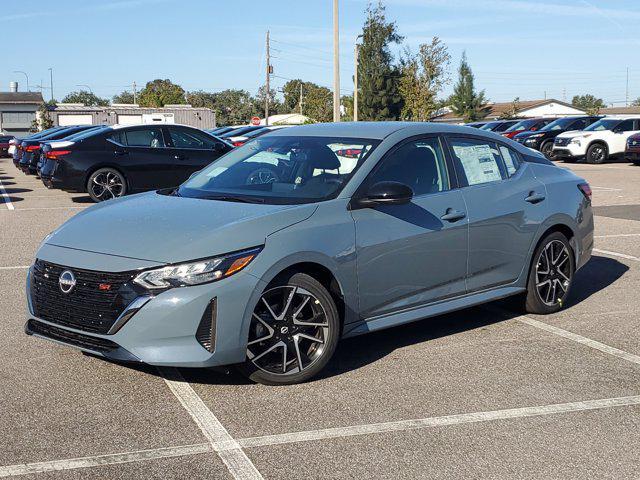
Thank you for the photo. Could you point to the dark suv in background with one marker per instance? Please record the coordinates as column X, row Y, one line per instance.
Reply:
column 542, row 140
column 527, row 125
column 498, row 126
column 113, row 161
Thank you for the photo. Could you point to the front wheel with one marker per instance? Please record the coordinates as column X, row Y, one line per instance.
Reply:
column 547, row 150
column 597, row 153
column 105, row 184
column 551, row 275
column 293, row 333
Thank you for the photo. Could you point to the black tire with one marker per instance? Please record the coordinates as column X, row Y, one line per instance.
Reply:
column 543, row 298
column 105, row 184
column 597, row 153
column 262, row 360
column 547, row 150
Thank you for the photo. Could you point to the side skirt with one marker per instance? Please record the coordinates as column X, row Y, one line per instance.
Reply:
column 407, row 316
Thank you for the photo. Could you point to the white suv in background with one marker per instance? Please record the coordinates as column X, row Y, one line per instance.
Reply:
column 597, row 143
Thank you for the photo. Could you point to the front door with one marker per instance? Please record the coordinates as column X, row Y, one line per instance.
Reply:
column 191, row 151
column 413, row 254
column 148, row 159
column 506, row 205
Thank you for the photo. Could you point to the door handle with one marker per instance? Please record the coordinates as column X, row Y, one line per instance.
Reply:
column 534, row 197
column 453, row 215
column 120, row 153
column 179, row 156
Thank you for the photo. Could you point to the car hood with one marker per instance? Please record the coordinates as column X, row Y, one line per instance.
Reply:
column 523, row 135
column 167, row 229
column 573, row 133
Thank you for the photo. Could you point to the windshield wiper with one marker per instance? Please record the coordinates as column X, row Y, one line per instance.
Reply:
column 231, row 198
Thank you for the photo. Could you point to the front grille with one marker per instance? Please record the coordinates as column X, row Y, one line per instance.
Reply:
column 76, row 339
column 87, row 307
column 562, row 142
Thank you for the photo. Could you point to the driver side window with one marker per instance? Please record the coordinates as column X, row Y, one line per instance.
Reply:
column 419, row 164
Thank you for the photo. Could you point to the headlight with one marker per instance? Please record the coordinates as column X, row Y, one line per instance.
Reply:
column 198, row 272
column 537, row 135
column 576, row 141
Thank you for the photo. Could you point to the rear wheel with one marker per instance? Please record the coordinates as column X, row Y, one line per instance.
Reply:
column 105, row 184
column 597, row 153
column 293, row 333
column 551, row 275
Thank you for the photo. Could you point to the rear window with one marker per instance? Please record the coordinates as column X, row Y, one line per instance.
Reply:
column 5, row 138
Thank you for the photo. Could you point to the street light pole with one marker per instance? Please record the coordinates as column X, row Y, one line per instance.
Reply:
column 336, row 63
column 51, row 81
column 85, row 85
column 26, row 76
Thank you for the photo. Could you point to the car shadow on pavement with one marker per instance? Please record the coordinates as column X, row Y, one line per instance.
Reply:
column 84, row 199
column 354, row 353
column 11, row 190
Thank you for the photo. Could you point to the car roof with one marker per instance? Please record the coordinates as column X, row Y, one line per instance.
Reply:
column 374, row 130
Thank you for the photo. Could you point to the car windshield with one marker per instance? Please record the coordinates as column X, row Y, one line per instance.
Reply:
column 560, row 124
column 489, row 126
column 521, row 126
column 282, row 170
column 84, row 133
column 604, row 124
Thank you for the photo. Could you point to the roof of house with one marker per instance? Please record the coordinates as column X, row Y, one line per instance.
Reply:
column 620, row 111
column 499, row 108
column 21, row 97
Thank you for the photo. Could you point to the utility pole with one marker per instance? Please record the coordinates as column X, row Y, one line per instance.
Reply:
column 268, row 84
column 300, row 97
column 135, row 93
column 626, row 98
column 51, row 81
column 355, row 78
column 336, row 64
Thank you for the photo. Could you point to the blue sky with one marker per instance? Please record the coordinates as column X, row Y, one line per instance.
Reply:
column 516, row 47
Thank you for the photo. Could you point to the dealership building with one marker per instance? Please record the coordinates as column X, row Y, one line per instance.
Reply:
column 18, row 110
column 131, row 114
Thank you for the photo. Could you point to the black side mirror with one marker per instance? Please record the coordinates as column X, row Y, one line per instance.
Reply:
column 385, row 193
column 219, row 147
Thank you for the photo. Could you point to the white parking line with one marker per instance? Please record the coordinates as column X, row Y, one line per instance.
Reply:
column 5, row 197
column 46, row 208
column 403, row 425
column 617, row 235
column 227, row 448
column 112, row 459
column 616, row 254
column 233, row 456
column 18, row 267
column 606, row 189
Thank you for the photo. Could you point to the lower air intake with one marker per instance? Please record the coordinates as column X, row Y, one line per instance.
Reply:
column 206, row 334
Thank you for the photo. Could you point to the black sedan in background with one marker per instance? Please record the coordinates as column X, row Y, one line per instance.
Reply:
column 542, row 140
column 114, row 161
column 31, row 147
column 17, row 154
column 498, row 126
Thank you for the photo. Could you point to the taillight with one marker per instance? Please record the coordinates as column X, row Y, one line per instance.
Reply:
column 56, row 154
column 32, row 148
column 585, row 189
column 237, row 144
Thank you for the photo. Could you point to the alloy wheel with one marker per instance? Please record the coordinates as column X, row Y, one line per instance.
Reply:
column 553, row 273
column 106, row 185
column 289, row 331
column 597, row 154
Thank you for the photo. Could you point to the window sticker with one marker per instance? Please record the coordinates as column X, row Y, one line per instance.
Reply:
column 479, row 163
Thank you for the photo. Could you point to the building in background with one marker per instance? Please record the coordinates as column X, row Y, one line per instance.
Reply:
column 18, row 110
column 526, row 109
column 131, row 114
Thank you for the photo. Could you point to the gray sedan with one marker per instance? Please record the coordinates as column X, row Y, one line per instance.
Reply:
column 277, row 250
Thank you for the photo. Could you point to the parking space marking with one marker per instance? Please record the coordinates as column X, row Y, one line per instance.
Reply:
column 5, row 197
column 232, row 455
column 616, row 352
column 420, row 423
column 618, row 235
column 99, row 460
column 18, row 267
column 46, row 208
column 616, row 254
column 606, row 189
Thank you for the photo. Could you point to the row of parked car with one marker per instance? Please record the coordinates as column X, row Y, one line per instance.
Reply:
column 595, row 139
column 110, row 161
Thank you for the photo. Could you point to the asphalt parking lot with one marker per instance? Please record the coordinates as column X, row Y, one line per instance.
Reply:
column 481, row 393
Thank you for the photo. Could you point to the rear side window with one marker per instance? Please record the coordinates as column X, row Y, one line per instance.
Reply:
column 626, row 126
column 511, row 159
column 191, row 139
column 480, row 160
column 147, row 137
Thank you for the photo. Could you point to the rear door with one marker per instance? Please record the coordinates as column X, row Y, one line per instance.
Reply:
column 621, row 133
column 191, row 150
column 413, row 254
column 505, row 205
column 145, row 157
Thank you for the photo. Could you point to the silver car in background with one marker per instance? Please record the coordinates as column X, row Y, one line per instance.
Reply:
column 274, row 252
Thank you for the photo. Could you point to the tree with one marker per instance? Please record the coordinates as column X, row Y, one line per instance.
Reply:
column 275, row 106
column 86, row 98
column 512, row 111
column 43, row 118
column 159, row 93
column 636, row 102
column 422, row 79
column 378, row 76
column 347, row 105
column 317, row 101
column 232, row 107
column 124, row 97
column 465, row 101
column 588, row 102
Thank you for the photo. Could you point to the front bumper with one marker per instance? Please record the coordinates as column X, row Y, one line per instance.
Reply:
column 632, row 156
column 163, row 331
column 572, row 150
